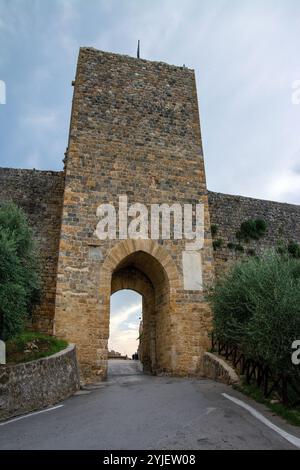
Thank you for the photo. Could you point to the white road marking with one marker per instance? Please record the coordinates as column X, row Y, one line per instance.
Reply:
column 30, row 414
column 289, row 437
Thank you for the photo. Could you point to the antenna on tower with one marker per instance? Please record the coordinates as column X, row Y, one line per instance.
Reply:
column 138, row 50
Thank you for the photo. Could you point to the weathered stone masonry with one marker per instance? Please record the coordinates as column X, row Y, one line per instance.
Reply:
column 40, row 194
column 134, row 131
column 37, row 384
column 228, row 212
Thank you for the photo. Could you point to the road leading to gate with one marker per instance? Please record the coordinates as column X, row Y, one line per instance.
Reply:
column 136, row 411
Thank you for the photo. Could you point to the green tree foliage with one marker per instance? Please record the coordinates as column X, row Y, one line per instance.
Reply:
column 257, row 307
column 19, row 273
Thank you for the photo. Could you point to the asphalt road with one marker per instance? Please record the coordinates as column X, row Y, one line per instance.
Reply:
column 136, row 411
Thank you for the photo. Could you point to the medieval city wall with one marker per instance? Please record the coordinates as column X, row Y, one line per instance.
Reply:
column 228, row 212
column 40, row 194
column 134, row 132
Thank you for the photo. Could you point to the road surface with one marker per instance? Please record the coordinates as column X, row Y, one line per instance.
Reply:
column 136, row 411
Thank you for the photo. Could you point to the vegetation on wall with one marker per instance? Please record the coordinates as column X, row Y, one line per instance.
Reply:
column 218, row 243
column 252, row 229
column 19, row 274
column 214, row 230
column 257, row 308
column 293, row 249
column 236, row 247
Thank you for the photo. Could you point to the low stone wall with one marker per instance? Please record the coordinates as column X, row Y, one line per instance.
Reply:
column 37, row 384
column 215, row 368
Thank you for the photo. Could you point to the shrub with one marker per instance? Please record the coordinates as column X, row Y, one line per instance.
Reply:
column 217, row 243
column 19, row 278
column 239, row 248
column 214, row 230
column 293, row 249
column 257, row 308
column 252, row 229
column 231, row 246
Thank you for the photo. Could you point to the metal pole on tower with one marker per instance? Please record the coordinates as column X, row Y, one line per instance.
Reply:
column 138, row 50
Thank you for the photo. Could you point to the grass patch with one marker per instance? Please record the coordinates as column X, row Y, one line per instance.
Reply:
column 291, row 415
column 29, row 346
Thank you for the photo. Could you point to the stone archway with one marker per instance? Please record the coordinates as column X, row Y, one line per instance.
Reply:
column 147, row 268
column 133, row 279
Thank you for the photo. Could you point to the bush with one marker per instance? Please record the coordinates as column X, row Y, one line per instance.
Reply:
column 257, row 308
column 231, row 246
column 294, row 249
column 239, row 248
column 214, row 230
column 252, row 230
column 217, row 243
column 19, row 278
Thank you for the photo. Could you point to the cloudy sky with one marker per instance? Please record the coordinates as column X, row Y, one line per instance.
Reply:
column 125, row 315
column 246, row 55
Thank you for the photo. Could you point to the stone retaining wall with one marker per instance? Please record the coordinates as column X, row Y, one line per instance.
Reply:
column 216, row 368
column 37, row 384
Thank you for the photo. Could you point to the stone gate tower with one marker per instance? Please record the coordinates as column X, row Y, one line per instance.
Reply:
column 134, row 131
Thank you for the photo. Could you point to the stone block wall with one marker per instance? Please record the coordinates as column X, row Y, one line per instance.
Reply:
column 37, row 384
column 40, row 194
column 216, row 368
column 227, row 212
column 134, row 131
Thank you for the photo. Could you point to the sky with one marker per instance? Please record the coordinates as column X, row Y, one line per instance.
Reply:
column 125, row 315
column 246, row 56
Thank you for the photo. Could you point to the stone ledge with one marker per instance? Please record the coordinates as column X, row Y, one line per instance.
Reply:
column 216, row 368
column 37, row 384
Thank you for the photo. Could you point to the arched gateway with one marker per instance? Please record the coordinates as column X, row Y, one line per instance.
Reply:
column 135, row 144
column 148, row 269
column 135, row 138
